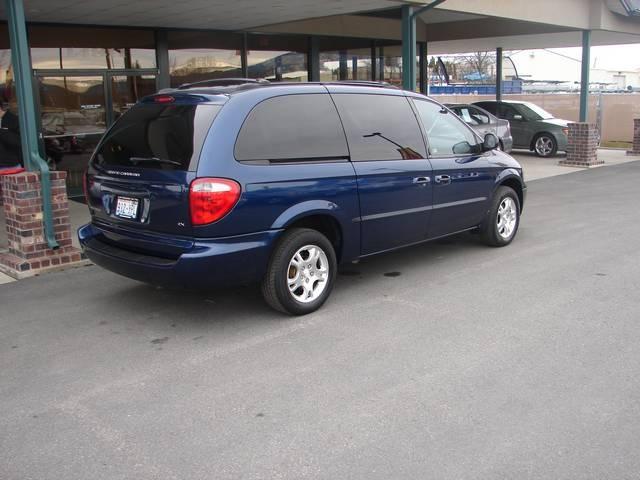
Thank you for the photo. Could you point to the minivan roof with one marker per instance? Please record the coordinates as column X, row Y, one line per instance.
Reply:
column 234, row 86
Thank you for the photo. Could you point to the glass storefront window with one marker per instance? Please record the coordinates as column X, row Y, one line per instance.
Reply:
column 196, row 56
column 73, row 120
column 278, row 66
column 193, row 65
column 345, row 65
column 278, row 57
column 7, row 96
column 67, row 47
column 127, row 90
column 389, row 64
column 88, row 58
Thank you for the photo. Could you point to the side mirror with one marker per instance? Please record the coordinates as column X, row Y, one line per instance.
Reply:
column 518, row 118
column 461, row 148
column 491, row 142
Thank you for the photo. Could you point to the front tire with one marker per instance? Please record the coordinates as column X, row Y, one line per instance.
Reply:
column 301, row 272
column 545, row 145
column 503, row 219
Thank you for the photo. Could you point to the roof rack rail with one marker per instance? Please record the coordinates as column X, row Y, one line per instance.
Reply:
column 223, row 82
column 365, row 83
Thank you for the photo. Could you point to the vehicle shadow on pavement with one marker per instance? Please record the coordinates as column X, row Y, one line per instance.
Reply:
column 220, row 305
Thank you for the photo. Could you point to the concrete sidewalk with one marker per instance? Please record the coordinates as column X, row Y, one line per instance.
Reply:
column 534, row 168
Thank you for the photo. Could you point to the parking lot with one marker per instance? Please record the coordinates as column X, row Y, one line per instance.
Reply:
column 447, row 360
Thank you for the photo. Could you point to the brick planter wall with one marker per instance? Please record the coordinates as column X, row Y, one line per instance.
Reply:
column 636, row 138
column 29, row 252
column 582, row 149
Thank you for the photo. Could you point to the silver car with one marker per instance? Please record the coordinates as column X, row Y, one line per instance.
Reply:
column 483, row 123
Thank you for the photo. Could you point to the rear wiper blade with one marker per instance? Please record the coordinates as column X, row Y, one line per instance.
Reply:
column 154, row 159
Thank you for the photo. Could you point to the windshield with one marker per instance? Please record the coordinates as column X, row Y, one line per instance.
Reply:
column 534, row 112
column 167, row 137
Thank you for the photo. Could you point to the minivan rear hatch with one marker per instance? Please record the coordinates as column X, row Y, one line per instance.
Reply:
column 138, row 179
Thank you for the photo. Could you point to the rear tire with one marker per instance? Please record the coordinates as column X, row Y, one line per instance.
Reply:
column 503, row 219
column 301, row 272
column 545, row 145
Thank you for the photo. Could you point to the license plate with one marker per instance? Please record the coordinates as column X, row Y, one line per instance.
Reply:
column 127, row 207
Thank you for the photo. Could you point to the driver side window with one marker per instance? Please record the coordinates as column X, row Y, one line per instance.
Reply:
column 507, row 112
column 446, row 133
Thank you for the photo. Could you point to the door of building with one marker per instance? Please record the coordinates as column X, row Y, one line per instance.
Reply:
column 76, row 107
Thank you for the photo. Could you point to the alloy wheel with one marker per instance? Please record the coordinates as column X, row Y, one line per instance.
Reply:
column 544, row 146
column 308, row 273
column 507, row 217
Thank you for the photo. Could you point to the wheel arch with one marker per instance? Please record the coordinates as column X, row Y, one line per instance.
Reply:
column 513, row 181
column 320, row 215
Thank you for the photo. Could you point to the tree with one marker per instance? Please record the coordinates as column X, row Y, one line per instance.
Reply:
column 478, row 63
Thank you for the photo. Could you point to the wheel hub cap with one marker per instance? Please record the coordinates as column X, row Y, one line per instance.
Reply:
column 544, row 146
column 308, row 273
column 507, row 217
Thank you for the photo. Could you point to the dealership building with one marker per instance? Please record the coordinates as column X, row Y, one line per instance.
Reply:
column 70, row 68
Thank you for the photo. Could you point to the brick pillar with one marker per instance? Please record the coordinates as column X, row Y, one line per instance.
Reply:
column 636, row 138
column 582, row 149
column 28, row 252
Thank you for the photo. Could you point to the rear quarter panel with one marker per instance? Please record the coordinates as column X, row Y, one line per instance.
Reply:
column 275, row 196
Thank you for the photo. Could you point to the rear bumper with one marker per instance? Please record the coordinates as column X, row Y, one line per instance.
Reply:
column 211, row 263
column 562, row 142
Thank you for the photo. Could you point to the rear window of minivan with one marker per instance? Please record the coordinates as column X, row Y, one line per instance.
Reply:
column 166, row 137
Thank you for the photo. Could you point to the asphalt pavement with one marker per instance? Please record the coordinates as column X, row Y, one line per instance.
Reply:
column 449, row 360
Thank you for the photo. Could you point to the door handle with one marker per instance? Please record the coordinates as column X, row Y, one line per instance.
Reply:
column 443, row 179
column 421, row 180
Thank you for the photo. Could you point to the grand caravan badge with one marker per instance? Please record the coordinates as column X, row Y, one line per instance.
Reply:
column 125, row 174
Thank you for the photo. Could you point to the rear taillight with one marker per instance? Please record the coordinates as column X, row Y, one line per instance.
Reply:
column 566, row 132
column 210, row 199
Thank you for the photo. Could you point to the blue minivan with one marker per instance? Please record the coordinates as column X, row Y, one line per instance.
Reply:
column 239, row 182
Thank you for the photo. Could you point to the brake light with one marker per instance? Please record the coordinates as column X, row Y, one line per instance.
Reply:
column 163, row 99
column 565, row 131
column 210, row 199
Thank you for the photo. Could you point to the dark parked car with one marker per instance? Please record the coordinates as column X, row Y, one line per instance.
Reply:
column 214, row 186
column 532, row 127
column 484, row 123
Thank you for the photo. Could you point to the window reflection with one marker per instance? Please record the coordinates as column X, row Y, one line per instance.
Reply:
column 73, row 120
column 195, row 56
column 345, row 65
column 278, row 66
column 277, row 57
column 7, row 90
column 127, row 90
column 193, row 65
column 80, row 58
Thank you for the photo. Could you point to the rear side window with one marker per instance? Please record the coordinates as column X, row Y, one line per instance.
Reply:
column 380, row 127
column 489, row 107
column 473, row 116
column 292, row 128
column 167, row 137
